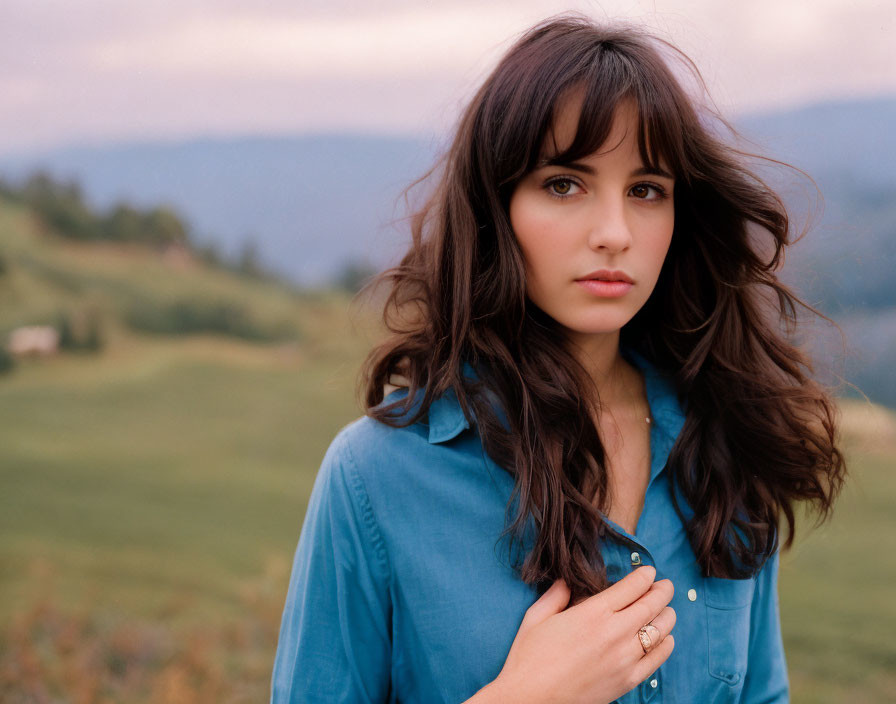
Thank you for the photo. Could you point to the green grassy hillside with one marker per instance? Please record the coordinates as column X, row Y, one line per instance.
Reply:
column 153, row 494
column 135, row 286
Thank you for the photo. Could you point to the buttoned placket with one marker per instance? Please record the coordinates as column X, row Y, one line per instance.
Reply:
column 628, row 555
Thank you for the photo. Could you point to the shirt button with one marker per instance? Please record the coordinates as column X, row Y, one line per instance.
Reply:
column 692, row 594
column 653, row 683
column 636, row 559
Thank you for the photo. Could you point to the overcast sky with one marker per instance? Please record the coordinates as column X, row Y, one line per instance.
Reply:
column 107, row 70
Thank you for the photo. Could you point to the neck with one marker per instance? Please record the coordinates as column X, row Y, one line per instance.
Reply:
column 600, row 356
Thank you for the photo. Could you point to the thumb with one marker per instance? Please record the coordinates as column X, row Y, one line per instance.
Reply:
column 553, row 601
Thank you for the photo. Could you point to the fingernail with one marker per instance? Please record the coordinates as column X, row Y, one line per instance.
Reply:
column 651, row 570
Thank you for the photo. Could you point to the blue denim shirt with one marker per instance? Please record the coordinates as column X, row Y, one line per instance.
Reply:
column 401, row 590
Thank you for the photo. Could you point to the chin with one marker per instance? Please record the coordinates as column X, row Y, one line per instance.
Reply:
column 603, row 326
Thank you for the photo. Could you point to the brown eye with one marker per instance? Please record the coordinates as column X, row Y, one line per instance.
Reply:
column 645, row 188
column 561, row 186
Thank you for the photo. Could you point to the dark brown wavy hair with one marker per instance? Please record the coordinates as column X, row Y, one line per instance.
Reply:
column 760, row 432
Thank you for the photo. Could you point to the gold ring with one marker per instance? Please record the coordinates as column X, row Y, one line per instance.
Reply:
column 649, row 636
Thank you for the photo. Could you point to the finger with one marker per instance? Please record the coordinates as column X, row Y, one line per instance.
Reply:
column 648, row 607
column 628, row 589
column 651, row 662
column 665, row 621
column 663, row 624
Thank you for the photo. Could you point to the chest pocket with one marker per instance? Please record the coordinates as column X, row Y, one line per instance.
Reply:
column 728, row 625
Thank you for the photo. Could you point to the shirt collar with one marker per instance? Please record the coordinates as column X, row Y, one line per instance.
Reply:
column 446, row 418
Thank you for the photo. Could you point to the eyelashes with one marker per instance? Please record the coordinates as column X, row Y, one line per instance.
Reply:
column 548, row 186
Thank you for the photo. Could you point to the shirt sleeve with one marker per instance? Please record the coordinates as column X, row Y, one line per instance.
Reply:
column 766, row 680
column 335, row 643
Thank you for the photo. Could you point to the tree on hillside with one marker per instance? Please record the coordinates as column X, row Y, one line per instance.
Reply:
column 80, row 332
column 210, row 254
column 6, row 360
column 123, row 223
column 61, row 206
column 249, row 260
column 7, row 191
column 354, row 274
column 163, row 226
column 66, row 333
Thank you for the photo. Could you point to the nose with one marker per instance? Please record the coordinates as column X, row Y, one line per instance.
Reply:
column 609, row 228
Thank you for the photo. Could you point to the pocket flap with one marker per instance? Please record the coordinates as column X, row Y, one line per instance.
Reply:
column 728, row 593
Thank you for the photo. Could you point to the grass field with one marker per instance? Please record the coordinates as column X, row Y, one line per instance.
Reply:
column 152, row 497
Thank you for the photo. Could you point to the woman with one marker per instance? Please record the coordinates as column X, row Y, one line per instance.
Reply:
column 586, row 334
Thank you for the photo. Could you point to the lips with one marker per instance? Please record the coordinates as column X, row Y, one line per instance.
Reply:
column 607, row 275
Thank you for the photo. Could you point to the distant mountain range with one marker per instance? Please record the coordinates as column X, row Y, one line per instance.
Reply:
column 310, row 203
column 313, row 203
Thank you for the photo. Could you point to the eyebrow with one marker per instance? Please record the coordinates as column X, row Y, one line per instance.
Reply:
column 584, row 168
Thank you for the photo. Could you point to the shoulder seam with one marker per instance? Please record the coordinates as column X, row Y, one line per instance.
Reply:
column 370, row 521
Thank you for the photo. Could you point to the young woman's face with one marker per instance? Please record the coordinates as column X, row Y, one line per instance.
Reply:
column 597, row 214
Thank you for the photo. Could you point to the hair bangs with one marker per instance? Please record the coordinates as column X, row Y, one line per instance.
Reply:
column 610, row 79
column 661, row 116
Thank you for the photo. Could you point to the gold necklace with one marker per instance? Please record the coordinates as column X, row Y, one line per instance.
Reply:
column 646, row 416
column 647, row 401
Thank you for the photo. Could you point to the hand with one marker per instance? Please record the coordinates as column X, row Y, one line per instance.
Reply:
column 589, row 652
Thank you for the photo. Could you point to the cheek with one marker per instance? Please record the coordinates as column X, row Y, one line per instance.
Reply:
column 662, row 249
column 659, row 235
column 526, row 220
column 539, row 232
column 528, row 228
column 544, row 258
